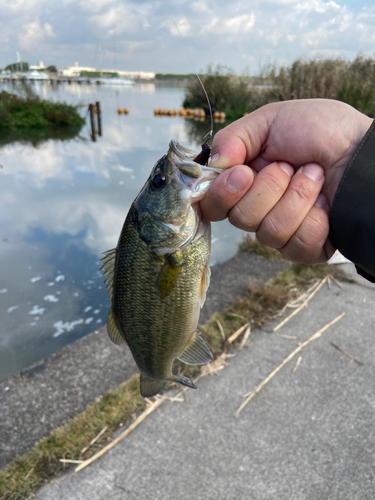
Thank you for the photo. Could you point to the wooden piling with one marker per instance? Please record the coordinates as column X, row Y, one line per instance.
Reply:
column 92, row 121
column 99, row 115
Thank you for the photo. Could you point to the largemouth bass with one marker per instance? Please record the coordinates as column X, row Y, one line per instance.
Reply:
column 158, row 274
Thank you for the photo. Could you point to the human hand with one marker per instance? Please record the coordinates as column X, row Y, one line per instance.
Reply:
column 288, row 211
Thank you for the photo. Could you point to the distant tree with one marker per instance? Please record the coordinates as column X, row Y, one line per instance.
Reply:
column 52, row 69
column 19, row 66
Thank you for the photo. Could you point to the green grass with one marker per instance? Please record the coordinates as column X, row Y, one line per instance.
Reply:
column 26, row 473
column 24, row 113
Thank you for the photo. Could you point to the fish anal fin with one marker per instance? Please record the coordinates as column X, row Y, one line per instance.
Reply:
column 113, row 331
column 150, row 387
column 108, row 268
column 169, row 273
column 196, row 352
column 184, row 381
column 205, row 282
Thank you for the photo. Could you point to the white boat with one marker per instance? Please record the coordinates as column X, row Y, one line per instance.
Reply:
column 114, row 81
column 35, row 75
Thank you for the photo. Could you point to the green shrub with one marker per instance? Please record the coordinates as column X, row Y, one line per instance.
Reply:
column 227, row 92
column 30, row 112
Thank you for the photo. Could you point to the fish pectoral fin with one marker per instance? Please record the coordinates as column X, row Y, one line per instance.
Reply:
column 113, row 331
column 205, row 282
column 196, row 352
column 184, row 381
column 169, row 273
column 150, row 387
column 108, row 268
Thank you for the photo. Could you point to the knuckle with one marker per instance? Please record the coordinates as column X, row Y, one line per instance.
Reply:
column 304, row 252
column 270, row 233
column 242, row 219
column 273, row 182
column 303, row 190
column 305, row 246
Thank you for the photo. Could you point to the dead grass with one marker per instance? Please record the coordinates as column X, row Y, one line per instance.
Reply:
column 120, row 406
column 252, row 245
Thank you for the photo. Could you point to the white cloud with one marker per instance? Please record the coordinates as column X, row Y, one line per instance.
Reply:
column 180, row 26
column 32, row 33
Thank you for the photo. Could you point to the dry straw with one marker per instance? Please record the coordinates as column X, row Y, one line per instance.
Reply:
column 249, row 397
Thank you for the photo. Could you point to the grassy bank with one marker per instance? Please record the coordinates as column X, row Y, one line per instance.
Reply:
column 174, row 76
column 118, row 407
column 28, row 116
column 352, row 82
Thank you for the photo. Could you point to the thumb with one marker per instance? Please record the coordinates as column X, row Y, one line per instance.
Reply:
column 242, row 141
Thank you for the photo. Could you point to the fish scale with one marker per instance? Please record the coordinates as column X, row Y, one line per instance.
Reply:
column 166, row 338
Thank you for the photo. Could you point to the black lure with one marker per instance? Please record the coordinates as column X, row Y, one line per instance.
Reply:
column 204, row 155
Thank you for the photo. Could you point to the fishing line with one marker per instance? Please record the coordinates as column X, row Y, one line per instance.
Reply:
column 208, row 136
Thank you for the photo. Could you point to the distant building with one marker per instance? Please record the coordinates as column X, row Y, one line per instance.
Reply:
column 135, row 75
column 73, row 71
column 39, row 67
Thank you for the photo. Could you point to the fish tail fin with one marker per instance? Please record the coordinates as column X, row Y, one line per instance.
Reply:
column 150, row 387
column 184, row 381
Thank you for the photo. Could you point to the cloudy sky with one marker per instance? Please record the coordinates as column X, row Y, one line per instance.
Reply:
column 141, row 35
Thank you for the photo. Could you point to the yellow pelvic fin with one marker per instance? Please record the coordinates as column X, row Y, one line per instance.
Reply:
column 113, row 331
column 169, row 273
column 196, row 352
column 205, row 282
column 150, row 387
column 109, row 269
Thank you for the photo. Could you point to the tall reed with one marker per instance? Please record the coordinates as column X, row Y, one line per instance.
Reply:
column 352, row 82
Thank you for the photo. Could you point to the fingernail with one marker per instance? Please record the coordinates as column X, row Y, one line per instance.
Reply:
column 313, row 171
column 288, row 169
column 322, row 202
column 237, row 180
column 214, row 158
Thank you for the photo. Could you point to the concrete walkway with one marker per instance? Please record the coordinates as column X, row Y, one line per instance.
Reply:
column 307, row 435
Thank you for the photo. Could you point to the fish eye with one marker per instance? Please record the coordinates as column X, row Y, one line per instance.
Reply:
column 158, row 181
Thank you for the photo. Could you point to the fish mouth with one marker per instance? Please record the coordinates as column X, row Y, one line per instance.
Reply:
column 183, row 158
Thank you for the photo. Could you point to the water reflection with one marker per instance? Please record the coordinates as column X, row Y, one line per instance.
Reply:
column 62, row 204
column 196, row 129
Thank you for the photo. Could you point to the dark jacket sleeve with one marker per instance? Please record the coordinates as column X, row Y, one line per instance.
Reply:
column 352, row 218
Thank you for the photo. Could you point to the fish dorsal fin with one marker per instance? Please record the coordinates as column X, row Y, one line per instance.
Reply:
column 205, row 282
column 113, row 331
column 196, row 352
column 150, row 387
column 169, row 273
column 108, row 268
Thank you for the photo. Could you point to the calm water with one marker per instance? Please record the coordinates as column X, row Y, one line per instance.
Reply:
column 63, row 203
